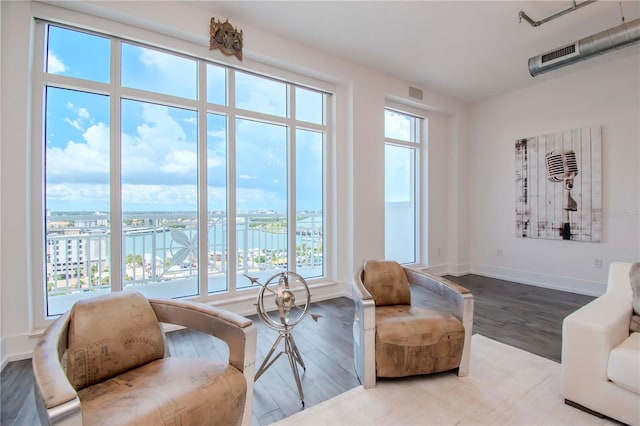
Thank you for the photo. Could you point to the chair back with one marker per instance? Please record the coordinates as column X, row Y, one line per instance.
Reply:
column 387, row 283
column 111, row 334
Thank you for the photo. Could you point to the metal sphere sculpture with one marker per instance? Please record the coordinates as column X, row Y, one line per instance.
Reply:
column 291, row 309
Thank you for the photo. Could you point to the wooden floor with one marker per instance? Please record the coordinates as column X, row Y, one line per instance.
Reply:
column 523, row 316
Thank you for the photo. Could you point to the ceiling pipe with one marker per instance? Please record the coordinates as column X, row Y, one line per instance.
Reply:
column 624, row 35
column 576, row 6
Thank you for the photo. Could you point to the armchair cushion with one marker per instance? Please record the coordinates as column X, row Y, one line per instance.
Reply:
column 177, row 391
column 387, row 283
column 624, row 366
column 414, row 340
column 110, row 335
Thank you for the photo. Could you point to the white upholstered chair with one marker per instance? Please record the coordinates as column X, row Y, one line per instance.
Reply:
column 600, row 357
column 105, row 362
column 394, row 336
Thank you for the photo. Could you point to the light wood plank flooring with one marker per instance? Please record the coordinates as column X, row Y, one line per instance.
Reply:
column 523, row 316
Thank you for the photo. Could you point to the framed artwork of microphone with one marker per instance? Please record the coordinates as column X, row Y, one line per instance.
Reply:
column 559, row 185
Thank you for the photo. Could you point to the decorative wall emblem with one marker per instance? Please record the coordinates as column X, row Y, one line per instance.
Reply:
column 559, row 185
column 225, row 37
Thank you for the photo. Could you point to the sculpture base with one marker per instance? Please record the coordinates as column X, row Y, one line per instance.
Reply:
column 291, row 350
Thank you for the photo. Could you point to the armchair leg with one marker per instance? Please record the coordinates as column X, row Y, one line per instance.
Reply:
column 248, row 371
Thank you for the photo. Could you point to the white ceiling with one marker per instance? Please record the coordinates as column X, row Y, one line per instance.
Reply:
column 467, row 49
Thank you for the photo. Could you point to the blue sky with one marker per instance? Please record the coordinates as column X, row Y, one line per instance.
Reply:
column 159, row 143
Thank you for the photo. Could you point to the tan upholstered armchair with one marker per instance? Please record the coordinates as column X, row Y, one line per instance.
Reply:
column 105, row 362
column 394, row 338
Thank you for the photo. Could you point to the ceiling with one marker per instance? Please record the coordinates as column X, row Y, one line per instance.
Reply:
column 470, row 50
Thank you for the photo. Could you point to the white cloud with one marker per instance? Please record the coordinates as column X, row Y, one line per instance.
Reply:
column 252, row 198
column 75, row 124
column 261, row 94
column 76, row 159
column 83, row 113
column 217, row 134
column 180, row 162
column 77, row 192
column 139, row 197
column 214, row 161
column 82, row 116
column 55, row 64
column 397, row 126
column 159, row 71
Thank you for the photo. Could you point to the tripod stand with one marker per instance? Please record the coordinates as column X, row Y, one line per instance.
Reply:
column 285, row 299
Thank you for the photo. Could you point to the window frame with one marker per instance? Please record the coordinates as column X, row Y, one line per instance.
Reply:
column 116, row 92
column 418, row 145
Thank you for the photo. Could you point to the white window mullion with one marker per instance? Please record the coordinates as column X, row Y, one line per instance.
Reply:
column 415, row 190
column 115, row 178
column 37, row 183
column 291, row 179
column 232, row 240
column 65, row 82
column 329, row 181
column 159, row 98
column 203, row 201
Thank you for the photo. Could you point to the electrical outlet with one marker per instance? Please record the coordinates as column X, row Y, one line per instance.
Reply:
column 597, row 263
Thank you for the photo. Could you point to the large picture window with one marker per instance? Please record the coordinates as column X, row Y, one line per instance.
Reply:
column 173, row 175
column 402, row 147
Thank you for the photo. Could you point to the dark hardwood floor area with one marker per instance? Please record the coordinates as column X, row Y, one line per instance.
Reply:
column 523, row 316
column 526, row 317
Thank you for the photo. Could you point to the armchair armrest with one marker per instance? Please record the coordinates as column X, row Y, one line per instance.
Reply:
column 236, row 331
column 460, row 299
column 601, row 325
column 364, row 327
column 58, row 401
column 359, row 290
column 588, row 336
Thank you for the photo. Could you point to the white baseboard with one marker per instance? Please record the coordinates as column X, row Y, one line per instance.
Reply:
column 458, row 269
column 568, row 284
column 440, row 269
column 449, row 269
column 16, row 348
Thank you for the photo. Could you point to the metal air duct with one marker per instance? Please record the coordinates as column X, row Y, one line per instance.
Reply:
column 623, row 35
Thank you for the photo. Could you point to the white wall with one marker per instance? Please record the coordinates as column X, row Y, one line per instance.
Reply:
column 357, row 208
column 607, row 94
column 14, row 137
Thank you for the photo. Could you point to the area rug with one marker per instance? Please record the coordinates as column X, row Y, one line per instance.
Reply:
column 505, row 386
